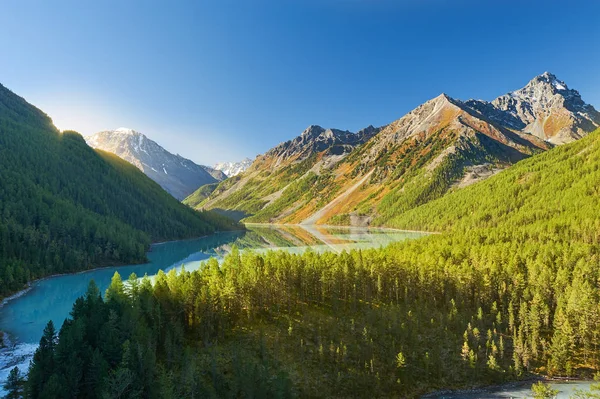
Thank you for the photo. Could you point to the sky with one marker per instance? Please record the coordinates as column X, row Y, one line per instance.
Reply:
column 223, row 80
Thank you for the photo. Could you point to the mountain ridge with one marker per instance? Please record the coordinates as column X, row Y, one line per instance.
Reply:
column 441, row 145
column 299, row 158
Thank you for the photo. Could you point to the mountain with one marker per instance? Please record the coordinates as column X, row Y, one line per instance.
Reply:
column 281, row 168
column 217, row 174
column 233, row 168
column 177, row 175
column 336, row 177
column 558, row 186
column 545, row 107
column 65, row 207
column 440, row 145
column 314, row 140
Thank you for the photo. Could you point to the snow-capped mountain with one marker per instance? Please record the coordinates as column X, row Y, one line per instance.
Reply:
column 177, row 175
column 233, row 168
column 545, row 107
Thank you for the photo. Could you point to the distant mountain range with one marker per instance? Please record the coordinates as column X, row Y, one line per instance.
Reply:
column 338, row 177
column 177, row 175
column 233, row 168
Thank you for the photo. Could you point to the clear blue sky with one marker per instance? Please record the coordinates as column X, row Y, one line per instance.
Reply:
column 220, row 80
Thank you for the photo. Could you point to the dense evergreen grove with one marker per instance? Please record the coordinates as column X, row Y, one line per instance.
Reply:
column 367, row 323
column 65, row 207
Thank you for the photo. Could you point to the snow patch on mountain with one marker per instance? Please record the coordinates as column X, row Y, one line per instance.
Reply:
column 233, row 168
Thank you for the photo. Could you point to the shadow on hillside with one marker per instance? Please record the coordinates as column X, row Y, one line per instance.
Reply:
column 232, row 214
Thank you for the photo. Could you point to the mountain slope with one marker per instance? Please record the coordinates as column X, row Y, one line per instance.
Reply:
column 297, row 161
column 65, row 207
column 231, row 169
column 422, row 155
column 531, row 237
column 560, row 185
column 217, row 174
column 177, row 175
column 442, row 145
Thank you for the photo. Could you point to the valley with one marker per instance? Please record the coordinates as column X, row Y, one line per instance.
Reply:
column 422, row 219
column 496, row 296
column 69, row 208
column 314, row 310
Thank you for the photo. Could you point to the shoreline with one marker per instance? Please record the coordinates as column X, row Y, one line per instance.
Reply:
column 329, row 226
column 30, row 285
column 495, row 388
column 194, row 238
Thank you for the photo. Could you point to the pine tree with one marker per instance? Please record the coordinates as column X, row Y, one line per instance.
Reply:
column 116, row 290
column 14, row 384
column 43, row 364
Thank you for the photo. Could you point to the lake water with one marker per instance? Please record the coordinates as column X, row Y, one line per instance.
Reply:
column 24, row 318
column 515, row 390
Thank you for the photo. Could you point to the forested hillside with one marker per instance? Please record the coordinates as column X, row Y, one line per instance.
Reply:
column 509, row 288
column 65, row 207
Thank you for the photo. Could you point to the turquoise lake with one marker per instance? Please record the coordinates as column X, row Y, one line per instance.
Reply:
column 23, row 318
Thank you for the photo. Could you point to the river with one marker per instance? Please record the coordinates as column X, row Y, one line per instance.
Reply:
column 24, row 317
column 514, row 390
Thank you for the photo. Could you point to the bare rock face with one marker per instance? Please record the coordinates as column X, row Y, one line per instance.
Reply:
column 316, row 139
column 444, row 115
column 545, row 108
column 218, row 174
column 177, row 175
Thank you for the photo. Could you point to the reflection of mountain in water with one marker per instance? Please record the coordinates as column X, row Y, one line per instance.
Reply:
column 298, row 238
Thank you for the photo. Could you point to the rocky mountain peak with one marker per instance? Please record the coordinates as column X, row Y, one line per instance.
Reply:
column 548, row 79
column 544, row 89
column 315, row 139
column 312, row 131
column 444, row 97
column 546, row 107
